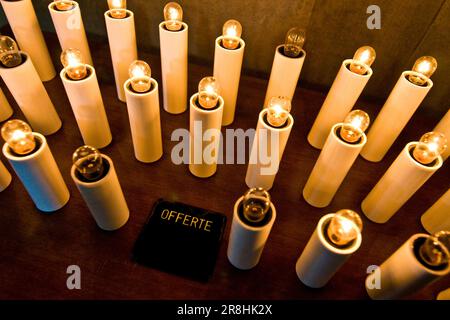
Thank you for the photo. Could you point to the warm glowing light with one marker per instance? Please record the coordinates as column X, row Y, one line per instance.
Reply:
column 363, row 59
column 256, row 204
column 278, row 111
column 117, row 8
column 140, row 76
column 72, row 61
column 173, row 15
column 208, row 92
column 435, row 250
column 88, row 162
column 354, row 125
column 295, row 39
column 232, row 31
column 18, row 136
column 344, row 227
column 426, row 66
column 430, row 146
column 64, row 5
column 9, row 52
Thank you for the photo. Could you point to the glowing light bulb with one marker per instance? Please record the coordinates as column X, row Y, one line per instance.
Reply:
column 117, row 8
column 208, row 92
column 173, row 15
column 88, row 162
column 256, row 204
column 278, row 111
column 435, row 250
column 18, row 136
column 232, row 31
column 64, row 5
column 72, row 61
column 431, row 145
column 9, row 52
column 344, row 227
column 365, row 56
column 295, row 39
column 426, row 66
column 354, row 125
column 140, row 74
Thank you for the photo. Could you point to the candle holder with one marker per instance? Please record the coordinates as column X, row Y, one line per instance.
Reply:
column 331, row 168
column 403, row 178
column 343, row 94
column 174, row 67
column 103, row 196
column 145, row 122
column 122, row 44
column 87, row 104
column 25, row 26
column 404, row 272
column 40, row 175
column 437, row 217
column 444, row 127
column 5, row 177
column 27, row 89
column 70, row 29
column 247, row 237
column 321, row 258
column 5, row 108
column 227, row 70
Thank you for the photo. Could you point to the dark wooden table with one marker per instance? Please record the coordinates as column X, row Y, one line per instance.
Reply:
column 36, row 248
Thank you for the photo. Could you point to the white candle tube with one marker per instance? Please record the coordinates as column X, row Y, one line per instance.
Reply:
column 5, row 177
column 122, row 44
column 27, row 89
column 204, row 151
column 25, row 26
column 104, row 197
column 331, row 168
column 70, row 30
column 444, row 295
column 402, row 273
column 444, row 127
column 284, row 75
column 403, row 178
column 246, row 242
column 437, row 217
column 174, row 67
column 267, row 151
column 343, row 94
column 5, row 108
column 145, row 122
column 40, row 175
column 401, row 104
column 227, row 71
column 320, row 260
column 87, row 105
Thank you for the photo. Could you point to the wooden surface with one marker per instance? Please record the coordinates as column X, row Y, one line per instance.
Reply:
column 37, row 248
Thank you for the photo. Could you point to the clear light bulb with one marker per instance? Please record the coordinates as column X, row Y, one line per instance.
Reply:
column 18, row 136
column 344, row 227
column 365, row 56
column 355, row 123
column 64, row 5
column 208, row 92
column 140, row 74
column 9, row 52
column 256, row 204
column 117, row 8
column 73, row 63
column 278, row 111
column 426, row 66
column 173, row 15
column 89, row 162
column 435, row 250
column 295, row 39
column 231, row 31
column 431, row 145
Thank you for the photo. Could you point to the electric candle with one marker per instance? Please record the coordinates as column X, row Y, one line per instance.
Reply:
column 5, row 177
column 444, row 127
column 437, row 217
